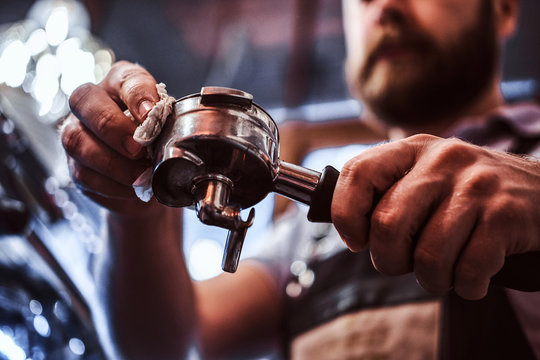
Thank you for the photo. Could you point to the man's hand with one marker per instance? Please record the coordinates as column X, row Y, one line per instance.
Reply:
column 447, row 210
column 98, row 137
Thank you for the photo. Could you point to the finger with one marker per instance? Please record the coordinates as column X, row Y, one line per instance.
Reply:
column 441, row 242
column 495, row 237
column 479, row 261
column 98, row 112
column 362, row 181
column 91, row 182
column 398, row 219
column 132, row 85
column 89, row 151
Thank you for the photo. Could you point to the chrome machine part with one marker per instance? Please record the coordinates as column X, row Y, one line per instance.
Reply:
column 219, row 153
column 212, row 194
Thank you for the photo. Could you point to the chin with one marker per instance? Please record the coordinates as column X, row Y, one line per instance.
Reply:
column 394, row 84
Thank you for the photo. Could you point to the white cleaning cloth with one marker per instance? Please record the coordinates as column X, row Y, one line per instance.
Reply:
column 146, row 133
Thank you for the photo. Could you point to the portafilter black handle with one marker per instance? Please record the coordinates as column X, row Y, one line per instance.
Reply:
column 321, row 198
column 310, row 187
column 520, row 271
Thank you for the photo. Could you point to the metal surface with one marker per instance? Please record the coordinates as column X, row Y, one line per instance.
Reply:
column 219, row 151
column 296, row 182
column 223, row 137
column 41, row 252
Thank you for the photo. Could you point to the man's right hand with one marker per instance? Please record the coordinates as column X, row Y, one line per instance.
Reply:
column 450, row 211
column 98, row 137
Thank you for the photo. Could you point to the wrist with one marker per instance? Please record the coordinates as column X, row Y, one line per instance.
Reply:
column 150, row 220
column 137, row 210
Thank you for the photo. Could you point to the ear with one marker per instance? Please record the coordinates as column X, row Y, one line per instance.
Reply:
column 506, row 12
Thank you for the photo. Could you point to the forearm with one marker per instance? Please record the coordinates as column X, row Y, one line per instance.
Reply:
column 149, row 292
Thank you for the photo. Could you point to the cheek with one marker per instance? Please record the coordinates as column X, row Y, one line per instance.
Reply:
column 355, row 63
column 445, row 20
column 356, row 52
column 356, row 42
column 355, row 21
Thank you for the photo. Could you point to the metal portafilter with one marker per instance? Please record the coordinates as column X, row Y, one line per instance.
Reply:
column 219, row 152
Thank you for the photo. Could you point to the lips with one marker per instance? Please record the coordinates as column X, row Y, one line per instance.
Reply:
column 394, row 46
column 391, row 51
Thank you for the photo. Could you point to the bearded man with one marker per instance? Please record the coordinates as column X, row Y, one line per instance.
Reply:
column 439, row 213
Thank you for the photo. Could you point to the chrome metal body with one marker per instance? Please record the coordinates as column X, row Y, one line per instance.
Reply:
column 220, row 152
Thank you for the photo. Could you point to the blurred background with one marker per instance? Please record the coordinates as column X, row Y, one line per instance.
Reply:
column 287, row 53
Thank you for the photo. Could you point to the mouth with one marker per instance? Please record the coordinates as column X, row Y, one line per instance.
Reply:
column 393, row 51
column 397, row 50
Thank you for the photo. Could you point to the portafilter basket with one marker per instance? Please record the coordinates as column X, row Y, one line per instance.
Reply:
column 219, row 152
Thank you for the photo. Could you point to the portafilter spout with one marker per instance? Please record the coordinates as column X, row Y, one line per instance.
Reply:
column 219, row 152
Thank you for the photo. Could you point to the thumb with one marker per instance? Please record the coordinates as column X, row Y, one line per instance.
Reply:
column 364, row 180
column 132, row 86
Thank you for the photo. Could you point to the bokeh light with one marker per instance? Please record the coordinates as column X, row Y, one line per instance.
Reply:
column 205, row 259
column 57, row 26
column 50, row 54
column 13, row 63
column 9, row 349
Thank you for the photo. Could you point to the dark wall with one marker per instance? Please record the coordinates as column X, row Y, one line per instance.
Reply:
column 153, row 33
column 522, row 55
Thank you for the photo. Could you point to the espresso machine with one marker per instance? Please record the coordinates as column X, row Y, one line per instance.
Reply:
column 219, row 153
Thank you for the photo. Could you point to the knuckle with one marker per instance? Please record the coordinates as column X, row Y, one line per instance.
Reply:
column 135, row 91
column 354, row 169
column 119, row 68
column 80, row 95
column 103, row 120
column 124, row 74
column 349, row 173
column 481, row 181
column 422, row 139
column 502, row 216
column 383, row 224
column 129, row 74
column 453, row 151
column 502, row 210
column 348, row 169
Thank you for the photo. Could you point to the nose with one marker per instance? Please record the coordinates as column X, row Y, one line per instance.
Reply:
column 391, row 12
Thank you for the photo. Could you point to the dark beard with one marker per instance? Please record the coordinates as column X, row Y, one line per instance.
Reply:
column 452, row 79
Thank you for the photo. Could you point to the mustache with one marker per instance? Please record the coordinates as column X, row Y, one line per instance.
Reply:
column 413, row 40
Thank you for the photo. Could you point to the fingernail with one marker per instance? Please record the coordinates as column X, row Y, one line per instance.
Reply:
column 345, row 238
column 145, row 107
column 352, row 243
column 132, row 146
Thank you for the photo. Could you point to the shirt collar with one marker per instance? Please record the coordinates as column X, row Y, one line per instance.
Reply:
column 523, row 119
